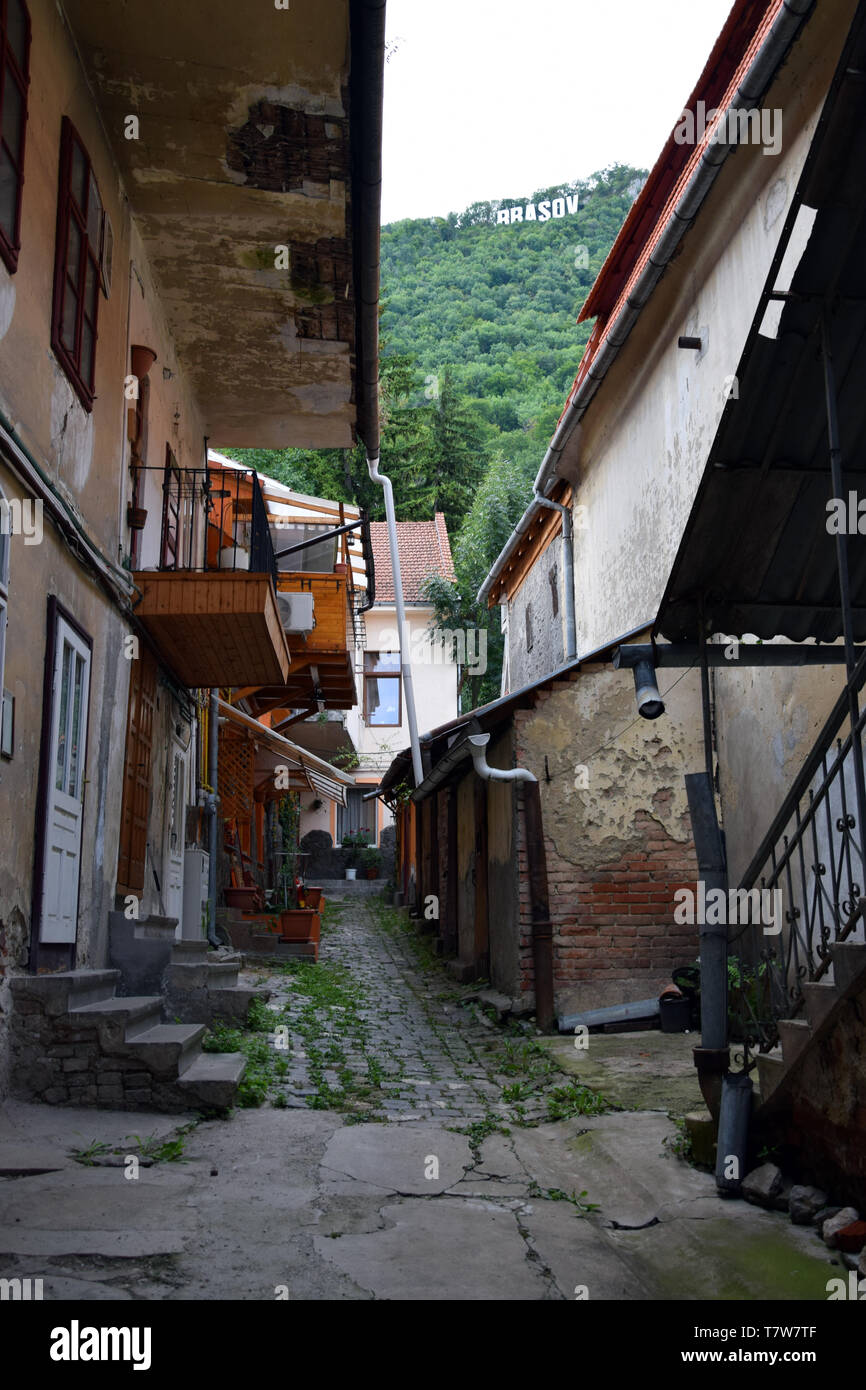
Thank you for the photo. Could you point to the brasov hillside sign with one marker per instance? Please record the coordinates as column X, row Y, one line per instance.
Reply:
column 550, row 207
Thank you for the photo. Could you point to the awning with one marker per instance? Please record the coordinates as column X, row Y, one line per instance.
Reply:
column 757, row 555
column 318, row 775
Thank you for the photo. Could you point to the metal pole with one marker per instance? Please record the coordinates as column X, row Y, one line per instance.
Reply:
column 705, row 704
column 844, row 583
column 712, row 1058
column 213, row 802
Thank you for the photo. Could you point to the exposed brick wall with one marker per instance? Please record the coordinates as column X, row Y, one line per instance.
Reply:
column 616, row 924
column 612, row 899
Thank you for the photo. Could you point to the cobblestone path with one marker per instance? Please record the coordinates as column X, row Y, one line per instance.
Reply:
column 378, row 1028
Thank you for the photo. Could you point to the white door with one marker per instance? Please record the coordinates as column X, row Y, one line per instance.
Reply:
column 64, row 811
column 174, row 840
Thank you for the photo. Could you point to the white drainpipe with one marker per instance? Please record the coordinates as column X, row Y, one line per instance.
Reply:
column 405, row 666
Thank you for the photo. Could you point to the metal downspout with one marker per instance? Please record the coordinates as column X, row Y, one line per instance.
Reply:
column 542, row 929
column 405, row 664
column 213, row 813
column 568, row 566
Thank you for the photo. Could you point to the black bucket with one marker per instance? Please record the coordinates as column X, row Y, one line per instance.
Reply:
column 676, row 1014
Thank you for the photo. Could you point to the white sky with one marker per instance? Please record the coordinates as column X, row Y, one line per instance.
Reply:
column 495, row 98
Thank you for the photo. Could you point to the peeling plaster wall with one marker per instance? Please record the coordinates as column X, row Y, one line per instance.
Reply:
column 548, row 627
column 618, row 846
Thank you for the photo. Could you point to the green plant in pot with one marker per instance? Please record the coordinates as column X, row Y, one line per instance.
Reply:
column 354, row 844
column 371, row 861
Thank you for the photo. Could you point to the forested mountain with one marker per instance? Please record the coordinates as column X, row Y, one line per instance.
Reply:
column 480, row 347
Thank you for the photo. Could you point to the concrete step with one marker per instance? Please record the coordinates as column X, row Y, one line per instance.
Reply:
column 137, row 1013
column 794, row 1034
column 65, row 989
column 169, row 1047
column 819, row 999
column 213, row 1079
column 222, row 976
column 234, row 1001
column 771, row 1069
column 849, row 961
column 91, row 986
column 189, row 952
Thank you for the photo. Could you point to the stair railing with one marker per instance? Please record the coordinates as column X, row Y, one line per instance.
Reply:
column 812, row 858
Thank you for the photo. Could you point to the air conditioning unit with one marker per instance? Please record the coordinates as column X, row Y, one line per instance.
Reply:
column 296, row 612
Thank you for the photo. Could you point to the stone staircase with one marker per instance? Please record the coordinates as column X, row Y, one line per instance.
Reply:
column 822, row 1003
column 199, row 989
column 75, row 1042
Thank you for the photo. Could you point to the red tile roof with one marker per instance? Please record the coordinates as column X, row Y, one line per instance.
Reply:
column 424, row 550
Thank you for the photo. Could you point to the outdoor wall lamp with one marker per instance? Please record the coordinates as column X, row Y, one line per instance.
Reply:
column 642, row 660
column 649, row 702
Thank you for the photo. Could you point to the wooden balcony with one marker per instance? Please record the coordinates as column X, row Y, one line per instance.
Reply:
column 215, row 628
column 322, row 662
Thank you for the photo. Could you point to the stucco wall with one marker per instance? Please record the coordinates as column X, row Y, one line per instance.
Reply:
column 547, row 628
column 85, row 455
column 646, row 436
column 766, row 723
column 434, row 682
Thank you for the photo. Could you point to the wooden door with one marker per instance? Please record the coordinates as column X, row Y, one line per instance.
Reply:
column 136, row 776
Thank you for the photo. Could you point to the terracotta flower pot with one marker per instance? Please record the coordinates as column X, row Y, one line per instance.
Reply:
column 245, row 899
column 142, row 358
column 136, row 518
column 314, row 897
column 296, row 924
column 372, row 873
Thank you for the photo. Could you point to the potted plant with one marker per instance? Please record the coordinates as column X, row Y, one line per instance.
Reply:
column 371, row 861
column 355, row 842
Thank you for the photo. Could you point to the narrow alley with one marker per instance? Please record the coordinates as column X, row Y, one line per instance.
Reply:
column 405, row 1145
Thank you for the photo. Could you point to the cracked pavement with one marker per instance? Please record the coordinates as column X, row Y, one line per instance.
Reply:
column 389, row 1200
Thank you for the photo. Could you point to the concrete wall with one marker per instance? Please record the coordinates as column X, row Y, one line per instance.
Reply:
column 542, row 594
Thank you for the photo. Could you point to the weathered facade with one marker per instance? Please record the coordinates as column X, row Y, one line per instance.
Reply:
column 168, row 179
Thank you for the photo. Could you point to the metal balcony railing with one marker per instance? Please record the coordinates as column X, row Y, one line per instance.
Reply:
column 813, row 857
column 214, row 519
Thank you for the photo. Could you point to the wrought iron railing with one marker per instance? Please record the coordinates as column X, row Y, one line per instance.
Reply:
column 813, row 859
column 214, row 519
